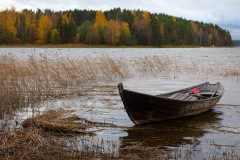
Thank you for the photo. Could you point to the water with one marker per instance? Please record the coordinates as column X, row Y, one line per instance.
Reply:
column 213, row 134
column 216, row 131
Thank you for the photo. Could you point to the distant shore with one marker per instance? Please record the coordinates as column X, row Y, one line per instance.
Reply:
column 93, row 46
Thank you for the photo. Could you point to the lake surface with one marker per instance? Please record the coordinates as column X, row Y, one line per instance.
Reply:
column 214, row 134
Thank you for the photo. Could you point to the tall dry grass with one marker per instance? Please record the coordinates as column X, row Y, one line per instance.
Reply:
column 34, row 79
column 37, row 78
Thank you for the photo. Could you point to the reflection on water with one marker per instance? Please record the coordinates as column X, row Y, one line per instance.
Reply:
column 172, row 132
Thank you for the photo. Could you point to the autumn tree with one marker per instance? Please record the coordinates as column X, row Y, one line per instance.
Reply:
column 10, row 24
column 21, row 27
column 55, row 37
column 31, row 28
column 68, row 28
column 93, row 36
column 142, row 28
column 195, row 32
column 44, row 30
column 100, row 24
column 113, row 33
column 3, row 29
column 125, row 33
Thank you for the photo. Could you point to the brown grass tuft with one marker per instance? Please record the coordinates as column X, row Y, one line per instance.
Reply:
column 59, row 121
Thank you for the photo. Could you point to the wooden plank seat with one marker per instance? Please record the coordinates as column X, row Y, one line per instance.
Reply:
column 183, row 96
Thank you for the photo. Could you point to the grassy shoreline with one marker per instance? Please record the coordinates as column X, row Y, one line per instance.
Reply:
column 92, row 46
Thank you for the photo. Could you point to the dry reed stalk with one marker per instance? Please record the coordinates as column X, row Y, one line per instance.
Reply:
column 154, row 66
column 112, row 69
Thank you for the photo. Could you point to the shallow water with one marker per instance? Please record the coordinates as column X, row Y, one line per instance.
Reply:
column 215, row 133
column 210, row 134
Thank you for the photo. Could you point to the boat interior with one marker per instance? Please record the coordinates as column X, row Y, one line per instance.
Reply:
column 192, row 97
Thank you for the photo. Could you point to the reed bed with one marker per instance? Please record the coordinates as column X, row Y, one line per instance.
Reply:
column 37, row 78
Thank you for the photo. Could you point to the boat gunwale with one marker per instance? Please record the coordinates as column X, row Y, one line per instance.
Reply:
column 161, row 96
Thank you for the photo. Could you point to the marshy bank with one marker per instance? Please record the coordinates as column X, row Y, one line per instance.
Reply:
column 81, row 88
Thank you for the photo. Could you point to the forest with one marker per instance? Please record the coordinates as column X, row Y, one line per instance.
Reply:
column 113, row 27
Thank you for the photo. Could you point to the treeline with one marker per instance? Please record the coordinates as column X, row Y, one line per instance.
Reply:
column 113, row 27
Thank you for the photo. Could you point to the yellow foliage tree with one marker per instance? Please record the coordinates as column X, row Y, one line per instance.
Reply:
column 10, row 21
column 45, row 27
column 146, row 17
column 55, row 37
column 174, row 19
column 2, row 19
column 30, row 25
column 28, row 21
column 113, row 37
column 100, row 22
column 142, row 26
column 126, row 31
column 65, row 17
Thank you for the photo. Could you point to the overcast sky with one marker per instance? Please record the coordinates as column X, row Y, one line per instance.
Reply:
column 225, row 13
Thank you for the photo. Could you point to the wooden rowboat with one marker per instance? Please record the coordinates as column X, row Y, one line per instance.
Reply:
column 144, row 108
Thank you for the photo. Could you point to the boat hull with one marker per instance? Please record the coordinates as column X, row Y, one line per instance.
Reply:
column 143, row 108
